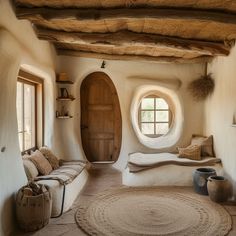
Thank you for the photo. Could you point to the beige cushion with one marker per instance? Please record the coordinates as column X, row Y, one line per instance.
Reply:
column 30, row 169
column 53, row 160
column 192, row 152
column 42, row 164
column 206, row 144
column 72, row 191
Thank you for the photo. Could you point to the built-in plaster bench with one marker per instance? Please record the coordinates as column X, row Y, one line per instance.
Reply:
column 65, row 184
column 65, row 180
column 164, row 169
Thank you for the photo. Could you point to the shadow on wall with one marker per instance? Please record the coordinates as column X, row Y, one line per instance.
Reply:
column 8, row 211
column 233, row 182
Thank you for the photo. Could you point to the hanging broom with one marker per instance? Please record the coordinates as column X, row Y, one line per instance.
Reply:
column 130, row 3
column 203, row 87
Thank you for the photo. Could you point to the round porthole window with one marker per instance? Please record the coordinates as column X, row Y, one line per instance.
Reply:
column 157, row 116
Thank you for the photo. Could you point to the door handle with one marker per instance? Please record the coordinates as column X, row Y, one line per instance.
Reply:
column 84, row 127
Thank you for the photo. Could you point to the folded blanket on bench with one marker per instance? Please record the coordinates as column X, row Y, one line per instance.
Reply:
column 140, row 161
column 66, row 173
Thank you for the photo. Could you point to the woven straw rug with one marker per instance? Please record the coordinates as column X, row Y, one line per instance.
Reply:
column 152, row 211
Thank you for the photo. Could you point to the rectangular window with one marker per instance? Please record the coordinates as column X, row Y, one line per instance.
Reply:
column 28, row 106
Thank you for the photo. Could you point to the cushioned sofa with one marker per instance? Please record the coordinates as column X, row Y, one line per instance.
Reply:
column 64, row 178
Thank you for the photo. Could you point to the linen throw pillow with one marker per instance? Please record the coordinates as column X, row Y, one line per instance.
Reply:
column 30, row 169
column 42, row 164
column 192, row 152
column 206, row 144
column 53, row 160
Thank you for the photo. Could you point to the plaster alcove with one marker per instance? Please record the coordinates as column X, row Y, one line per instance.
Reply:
column 124, row 76
column 220, row 108
column 174, row 134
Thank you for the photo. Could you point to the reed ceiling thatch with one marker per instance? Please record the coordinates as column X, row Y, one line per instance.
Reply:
column 153, row 30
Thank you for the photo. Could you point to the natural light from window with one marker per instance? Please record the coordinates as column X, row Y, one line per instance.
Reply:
column 26, row 115
column 154, row 116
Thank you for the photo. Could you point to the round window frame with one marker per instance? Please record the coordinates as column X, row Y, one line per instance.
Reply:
column 156, row 95
column 174, row 134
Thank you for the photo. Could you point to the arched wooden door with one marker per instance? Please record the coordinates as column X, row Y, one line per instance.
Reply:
column 101, row 124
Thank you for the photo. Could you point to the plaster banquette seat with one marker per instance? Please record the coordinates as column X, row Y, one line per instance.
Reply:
column 169, row 169
column 64, row 178
column 164, row 169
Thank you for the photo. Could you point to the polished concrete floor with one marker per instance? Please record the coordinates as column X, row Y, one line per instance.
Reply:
column 102, row 177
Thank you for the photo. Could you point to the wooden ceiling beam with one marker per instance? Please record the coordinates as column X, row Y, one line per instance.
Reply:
column 128, row 50
column 210, row 26
column 160, row 59
column 216, row 5
column 132, row 42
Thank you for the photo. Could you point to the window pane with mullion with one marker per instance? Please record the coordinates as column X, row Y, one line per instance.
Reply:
column 147, row 104
column 147, row 128
column 29, row 116
column 20, row 118
column 154, row 116
column 162, row 128
column 19, row 104
column 162, row 116
column 147, row 116
column 161, row 104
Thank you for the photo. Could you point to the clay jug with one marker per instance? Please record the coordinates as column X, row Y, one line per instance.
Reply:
column 64, row 93
column 219, row 188
column 200, row 177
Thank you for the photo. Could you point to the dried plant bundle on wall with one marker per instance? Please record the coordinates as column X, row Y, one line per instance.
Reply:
column 201, row 88
column 129, row 3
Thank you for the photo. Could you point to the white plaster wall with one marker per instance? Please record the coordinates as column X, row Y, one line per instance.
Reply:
column 220, row 110
column 120, row 73
column 18, row 47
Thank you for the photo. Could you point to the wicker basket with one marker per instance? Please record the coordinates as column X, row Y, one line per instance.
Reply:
column 33, row 212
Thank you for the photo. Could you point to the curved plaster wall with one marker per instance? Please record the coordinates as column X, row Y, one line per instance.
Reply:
column 127, row 76
column 220, row 112
column 18, row 47
column 174, row 134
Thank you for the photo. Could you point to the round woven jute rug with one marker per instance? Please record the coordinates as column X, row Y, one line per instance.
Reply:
column 152, row 211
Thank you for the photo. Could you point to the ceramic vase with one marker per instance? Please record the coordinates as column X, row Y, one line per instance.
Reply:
column 219, row 188
column 200, row 177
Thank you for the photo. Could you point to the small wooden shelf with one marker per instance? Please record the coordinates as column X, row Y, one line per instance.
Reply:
column 64, row 82
column 64, row 117
column 65, row 99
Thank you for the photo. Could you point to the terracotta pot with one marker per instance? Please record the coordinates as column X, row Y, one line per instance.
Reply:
column 200, row 177
column 219, row 188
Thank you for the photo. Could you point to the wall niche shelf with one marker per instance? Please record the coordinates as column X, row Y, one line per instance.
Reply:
column 65, row 99
column 64, row 82
column 64, row 96
column 233, row 125
column 64, row 117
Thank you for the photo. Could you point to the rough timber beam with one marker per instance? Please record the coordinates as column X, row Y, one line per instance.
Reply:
column 211, row 26
column 103, row 56
column 127, row 43
column 217, row 5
